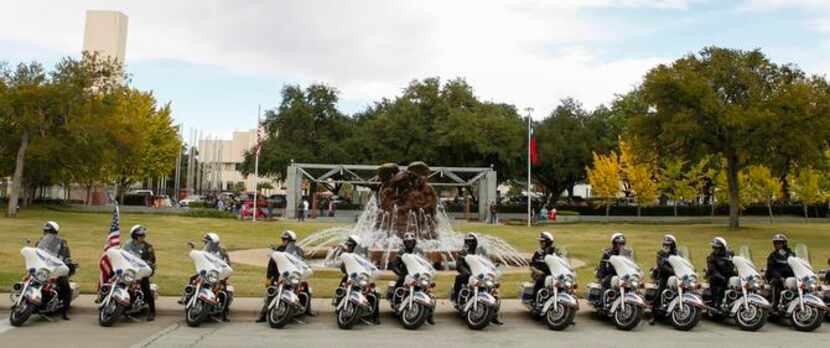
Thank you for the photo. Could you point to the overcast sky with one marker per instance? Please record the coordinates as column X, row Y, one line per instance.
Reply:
column 217, row 60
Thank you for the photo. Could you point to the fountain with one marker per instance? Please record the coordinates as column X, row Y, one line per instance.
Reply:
column 404, row 203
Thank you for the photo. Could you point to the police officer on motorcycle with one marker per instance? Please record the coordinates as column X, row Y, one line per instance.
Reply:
column 289, row 245
column 539, row 269
column 410, row 246
column 471, row 247
column 57, row 246
column 663, row 269
column 605, row 270
column 352, row 245
column 719, row 268
column 777, row 267
column 212, row 246
column 139, row 246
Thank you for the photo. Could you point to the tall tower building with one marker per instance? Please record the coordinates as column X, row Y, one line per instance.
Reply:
column 106, row 33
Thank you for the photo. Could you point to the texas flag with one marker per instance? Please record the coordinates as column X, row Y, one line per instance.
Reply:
column 534, row 152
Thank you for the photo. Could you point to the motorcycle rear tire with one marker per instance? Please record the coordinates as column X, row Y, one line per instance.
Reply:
column 562, row 321
column 347, row 316
column 279, row 315
column 413, row 322
column 109, row 319
column 635, row 316
column 18, row 316
column 196, row 319
column 483, row 315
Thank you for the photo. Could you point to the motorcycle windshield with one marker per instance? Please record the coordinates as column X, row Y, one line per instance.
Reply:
column 744, row 252
column 745, row 267
column 559, row 265
column 802, row 252
column 206, row 262
column 683, row 252
column 415, row 264
column 481, row 266
column 290, row 263
column 123, row 260
column 682, row 267
column 624, row 266
column 801, row 268
column 356, row 264
column 37, row 259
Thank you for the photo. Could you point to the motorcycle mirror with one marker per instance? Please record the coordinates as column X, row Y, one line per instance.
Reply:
column 274, row 247
column 27, row 241
column 191, row 245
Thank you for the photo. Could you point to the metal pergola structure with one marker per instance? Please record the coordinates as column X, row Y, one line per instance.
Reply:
column 366, row 175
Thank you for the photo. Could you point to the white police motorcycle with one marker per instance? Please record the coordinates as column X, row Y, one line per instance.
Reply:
column 288, row 296
column 208, row 295
column 742, row 300
column 478, row 301
column 622, row 301
column 556, row 303
column 680, row 302
column 413, row 303
column 37, row 293
column 354, row 300
column 800, row 300
column 123, row 295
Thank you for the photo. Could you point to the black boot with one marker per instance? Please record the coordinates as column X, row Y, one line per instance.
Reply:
column 151, row 315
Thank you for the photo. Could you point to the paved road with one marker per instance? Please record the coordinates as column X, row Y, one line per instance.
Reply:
column 169, row 330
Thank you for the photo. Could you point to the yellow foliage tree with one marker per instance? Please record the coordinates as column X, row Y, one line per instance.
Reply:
column 639, row 175
column 806, row 186
column 605, row 178
column 762, row 187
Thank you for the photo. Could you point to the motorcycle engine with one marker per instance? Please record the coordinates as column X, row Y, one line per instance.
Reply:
column 542, row 296
column 788, row 295
column 731, row 295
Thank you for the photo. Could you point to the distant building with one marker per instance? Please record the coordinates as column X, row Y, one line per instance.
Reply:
column 221, row 157
column 105, row 32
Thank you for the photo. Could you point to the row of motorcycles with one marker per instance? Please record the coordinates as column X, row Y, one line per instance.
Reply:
column 624, row 301
column 684, row 301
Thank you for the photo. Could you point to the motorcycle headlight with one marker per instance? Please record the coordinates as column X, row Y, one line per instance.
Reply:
column 362, row 280
column 489, row 282
column 810, row 283
column 632, row 281
column 129, row 276
column 42, row 275
column 212, row 276
column 423, row 281
column 294, row 279
column 567, row 281
column 689, row 282
column 753, row 283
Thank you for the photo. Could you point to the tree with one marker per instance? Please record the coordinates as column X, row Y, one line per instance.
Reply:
column 762, row 186
column 734, row 104
column 567, row 138
column 605, row 178
column 639, row 176
column 239, row 186
column 680, row 182
column 806, row 185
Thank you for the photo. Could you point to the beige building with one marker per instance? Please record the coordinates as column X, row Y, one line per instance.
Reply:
column 221, row 157
column 105, row 32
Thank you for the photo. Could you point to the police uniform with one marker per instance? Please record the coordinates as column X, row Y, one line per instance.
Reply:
column 540, row 267
column 58, row 247
column 145, row 251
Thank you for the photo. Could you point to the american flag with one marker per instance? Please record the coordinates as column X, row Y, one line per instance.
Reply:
column 113, row 240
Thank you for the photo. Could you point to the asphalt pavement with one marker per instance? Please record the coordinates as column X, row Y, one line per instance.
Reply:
column 519, row 330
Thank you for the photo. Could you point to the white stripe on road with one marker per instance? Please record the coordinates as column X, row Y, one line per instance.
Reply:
column 152, row 339
column 5, row 326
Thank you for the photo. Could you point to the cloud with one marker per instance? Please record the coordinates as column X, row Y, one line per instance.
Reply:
column 531, row 53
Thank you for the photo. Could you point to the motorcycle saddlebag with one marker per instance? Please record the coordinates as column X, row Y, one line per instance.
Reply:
column 594, row 292
column 527, row 292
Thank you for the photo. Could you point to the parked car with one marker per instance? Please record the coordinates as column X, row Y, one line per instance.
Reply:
column 277, row 200
column 191, row 199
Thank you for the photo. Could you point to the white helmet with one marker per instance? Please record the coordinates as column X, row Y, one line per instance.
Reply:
column 211, row 237
column 719, row 242
column 669, row 239
column 617, row 238
column 290, row 235
column 51, row 227
column 546, row 236
column 354, row 238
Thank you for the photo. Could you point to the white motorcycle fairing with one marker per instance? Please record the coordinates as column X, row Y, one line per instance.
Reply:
column 481, row 267
column 356, row 266
column 415, row 267
column 287, row 263
column 206, row 262
column 123, row 261
column 37, row 259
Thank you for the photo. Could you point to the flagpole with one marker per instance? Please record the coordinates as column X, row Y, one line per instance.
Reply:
column 529, row 198
column 256, row 161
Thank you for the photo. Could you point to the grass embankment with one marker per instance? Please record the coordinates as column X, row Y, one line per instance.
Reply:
column 169, row 234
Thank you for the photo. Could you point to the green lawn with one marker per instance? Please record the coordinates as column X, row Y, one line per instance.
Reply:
column 86, row 233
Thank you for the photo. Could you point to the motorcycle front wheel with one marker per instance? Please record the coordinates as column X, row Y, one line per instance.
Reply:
column 279, row 315
column 627, row 316
column 20, row 313
column 559, row 319
column 109, row 314
column 414, row 317
column 685, row 318
column 479, row 316
column 347, row 316
column 196, row 314
column 750, row 317
column 808, row 319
